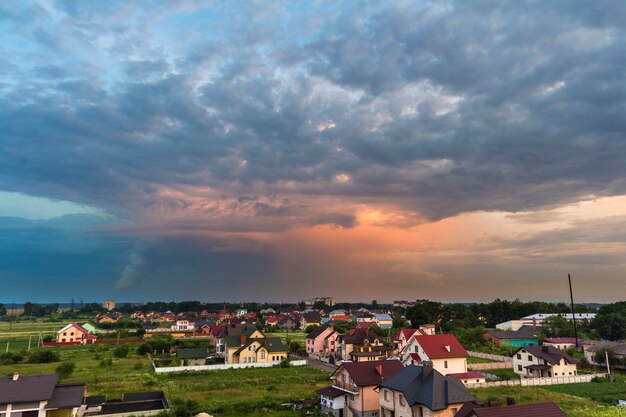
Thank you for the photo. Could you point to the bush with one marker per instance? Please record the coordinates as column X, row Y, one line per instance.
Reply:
column 285, row 362
column 106, row 363
column 144, row 349
column 43, row 356
column 65, row 369
column 121, row 351
column 10, row 358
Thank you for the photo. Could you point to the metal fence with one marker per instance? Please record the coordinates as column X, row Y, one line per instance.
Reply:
column 530, row 382
column 169, row 369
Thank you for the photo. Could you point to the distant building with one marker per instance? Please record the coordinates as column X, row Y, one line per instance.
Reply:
column 109, row 305
column 514, row 338
column 328, row 301
column 536, row 320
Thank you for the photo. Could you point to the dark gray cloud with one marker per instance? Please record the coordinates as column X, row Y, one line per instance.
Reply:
column 248, row 117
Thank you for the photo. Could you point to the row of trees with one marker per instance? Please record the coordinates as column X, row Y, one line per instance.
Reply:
column 610, row 321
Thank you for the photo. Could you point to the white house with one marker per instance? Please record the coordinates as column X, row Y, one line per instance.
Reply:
column 445, row 352
column 543, row 362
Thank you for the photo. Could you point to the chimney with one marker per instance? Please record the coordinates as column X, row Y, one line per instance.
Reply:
column 427, row 370
column 534, row 325
column 16, row 376
column 243, row 339
column 494, row 403
column 379, row 370
column 510, row 401
column 447, row 347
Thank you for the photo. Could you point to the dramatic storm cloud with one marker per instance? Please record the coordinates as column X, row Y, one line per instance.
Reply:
column 276, row 150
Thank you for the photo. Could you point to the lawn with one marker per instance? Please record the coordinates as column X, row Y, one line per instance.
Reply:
column 473, row 359
column 298, row 336
column 576, row 400
column 227, row 393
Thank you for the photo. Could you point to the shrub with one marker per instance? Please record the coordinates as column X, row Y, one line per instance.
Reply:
column 285, row 363
column 106, row 363
column 43, row 356
column 144, row 349
column 121, row 351
column 65, row 369
column 10, row 358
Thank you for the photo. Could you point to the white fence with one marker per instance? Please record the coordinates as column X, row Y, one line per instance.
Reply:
column 168, row 369
column 530, row 382
column 490, row 365
column 497, row 358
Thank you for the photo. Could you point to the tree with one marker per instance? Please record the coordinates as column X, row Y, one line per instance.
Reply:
column 557, row 326
column 374, row 303
column 610, row 322
column 65, row 369
column 425, row 313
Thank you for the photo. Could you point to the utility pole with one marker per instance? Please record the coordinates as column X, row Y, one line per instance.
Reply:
column 571, row 296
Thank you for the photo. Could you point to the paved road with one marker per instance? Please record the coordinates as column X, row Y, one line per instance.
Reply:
column 322, row 366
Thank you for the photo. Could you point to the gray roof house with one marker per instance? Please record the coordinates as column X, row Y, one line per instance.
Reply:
column 38, row 395
column 422, row 390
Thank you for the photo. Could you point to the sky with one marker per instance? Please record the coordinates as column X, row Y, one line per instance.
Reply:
column 276, row 151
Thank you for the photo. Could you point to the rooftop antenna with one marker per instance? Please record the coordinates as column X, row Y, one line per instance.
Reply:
column 571, row 296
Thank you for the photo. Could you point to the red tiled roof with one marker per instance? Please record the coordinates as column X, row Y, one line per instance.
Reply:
column 435, row 346
column 469, row 375
column 415, row 356
column 341, row 317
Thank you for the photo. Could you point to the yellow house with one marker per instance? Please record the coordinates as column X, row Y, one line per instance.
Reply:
column 253, row 347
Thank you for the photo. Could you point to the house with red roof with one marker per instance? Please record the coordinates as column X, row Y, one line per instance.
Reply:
column 322, row 342
column 271, row 320
column 445, row 352
column 470, row 377
column 354, row 387
column 75, row 333
column 562, row 343
column 401, row 338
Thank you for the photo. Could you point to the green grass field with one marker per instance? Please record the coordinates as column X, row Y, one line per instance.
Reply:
column 225, row 393
column 472, row 359
column 576, row 400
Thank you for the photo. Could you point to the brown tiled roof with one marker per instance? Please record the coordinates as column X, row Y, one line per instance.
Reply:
column 548, row 409
column 366, row 374
column 317, row 331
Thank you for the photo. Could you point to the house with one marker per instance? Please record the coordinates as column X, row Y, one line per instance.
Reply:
column 592, row 347
column 288, row 323
column 109, row 318
column 139, row 404
column 272, row 320
column 512, row 338
column 470, row 377
column 192, row 356
column 322, row 341
column 336, row 313
column 422, row 391
column 358, row 381
column 75, row 333
column 312, row 318
column 183, row 324
column 543, row 361
column 401, row 338
column 548, row 409
column 370, row 351
column 445, row 352
column 562, row 343
column 358, row 337
column 39, row 396
column 384, row 321
column 91, row 328
column 252, row 346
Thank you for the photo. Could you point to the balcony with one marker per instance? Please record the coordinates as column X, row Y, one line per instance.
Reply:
column 346, row 386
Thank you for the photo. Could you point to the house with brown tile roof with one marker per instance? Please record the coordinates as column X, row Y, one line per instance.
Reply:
column 359, row 381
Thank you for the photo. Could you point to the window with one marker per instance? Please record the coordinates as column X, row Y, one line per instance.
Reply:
column 421, row 412
column 519, row 368
column 262, row 354
column 454, row 410
column 519, row 356
column 386, row 395
column 445, row 364
column 530, row 358
column 402, row 402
